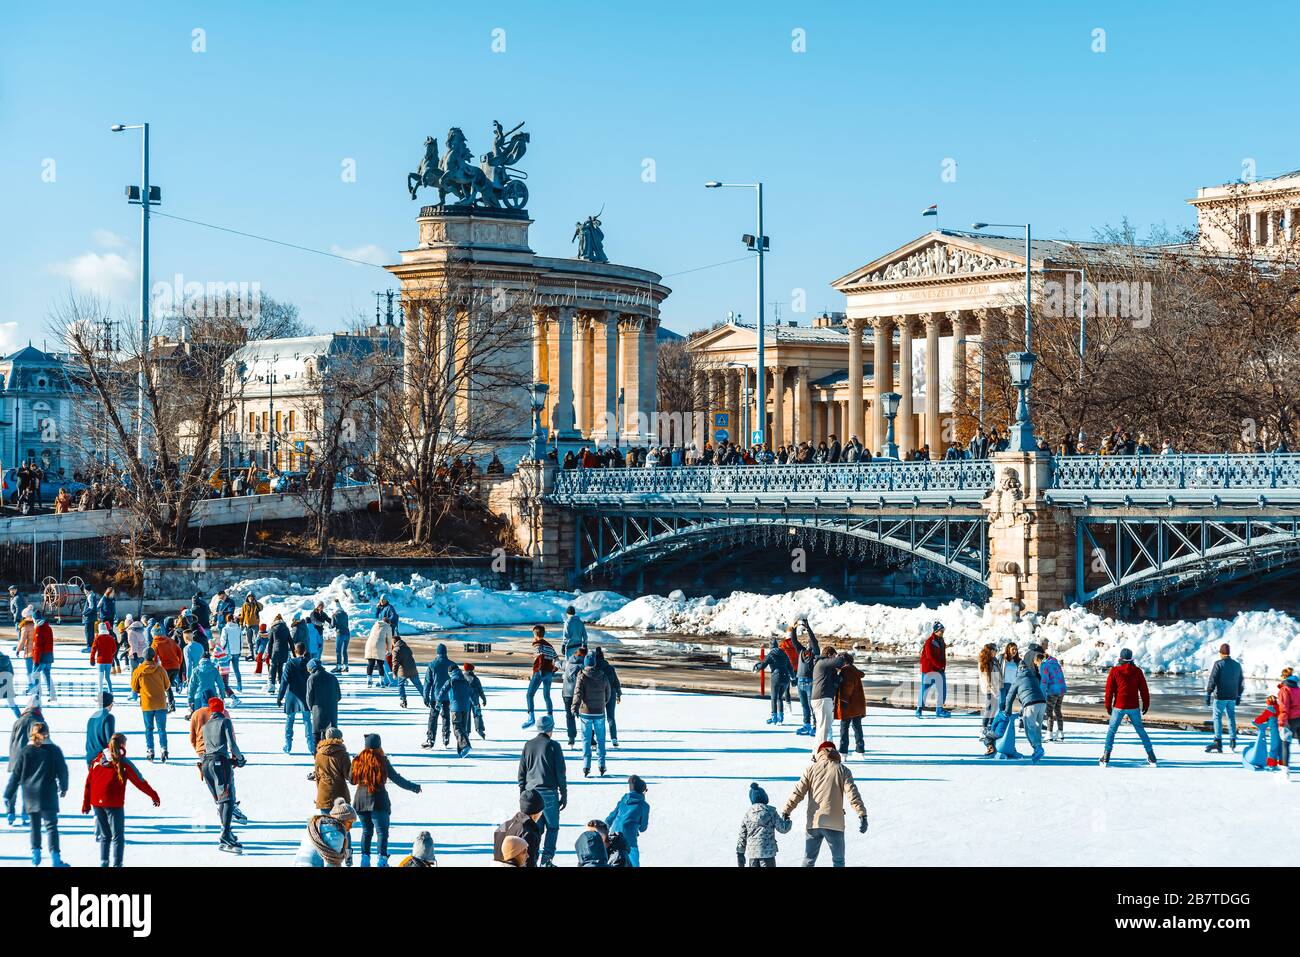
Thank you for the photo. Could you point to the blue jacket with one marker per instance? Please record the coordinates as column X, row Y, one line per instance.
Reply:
column 205, row 683
column 436, row 676
column 630, row 817
column 457, row 689
column 1053, row 677
column 99, row 729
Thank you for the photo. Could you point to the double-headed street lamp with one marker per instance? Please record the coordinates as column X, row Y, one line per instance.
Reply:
column 758, row 243
column 145, row 196
column 1021, row 364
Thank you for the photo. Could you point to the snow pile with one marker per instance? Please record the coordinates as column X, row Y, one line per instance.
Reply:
column 423, row 605
column 1265, row 642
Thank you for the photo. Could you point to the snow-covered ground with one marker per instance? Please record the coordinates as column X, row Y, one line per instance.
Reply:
column 932, row 799
column 1264, row 641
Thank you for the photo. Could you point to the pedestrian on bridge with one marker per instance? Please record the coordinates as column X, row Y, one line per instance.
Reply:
column 1226, row 684
column 934, row 665
column 1127, row 696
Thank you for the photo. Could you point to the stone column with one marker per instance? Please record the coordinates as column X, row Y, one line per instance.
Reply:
column 778, row 406
column 560, row 397
column 582, row 375
column 854, row 406
column 958, row 320
column 931, row 322
column 803, row 405
column 634, row 419
column 882, row 376
column 906, row 423
column 648, row 371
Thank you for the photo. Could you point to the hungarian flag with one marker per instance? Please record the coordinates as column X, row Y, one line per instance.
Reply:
column 931, row 210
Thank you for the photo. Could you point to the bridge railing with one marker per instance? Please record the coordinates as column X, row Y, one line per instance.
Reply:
column 1107, row 473
column 874, row 478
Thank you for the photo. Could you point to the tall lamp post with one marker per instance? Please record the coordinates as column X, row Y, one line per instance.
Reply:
column 1021, row 364
column 759, row 244
column 145, row 196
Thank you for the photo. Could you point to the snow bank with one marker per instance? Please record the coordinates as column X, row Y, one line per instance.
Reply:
column 1265, row 642
column 424, row 605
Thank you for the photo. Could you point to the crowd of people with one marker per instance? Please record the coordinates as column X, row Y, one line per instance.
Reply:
column 195, row 660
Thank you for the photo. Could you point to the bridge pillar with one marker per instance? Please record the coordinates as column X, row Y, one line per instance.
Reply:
column 1031, row 543
column 545, row 533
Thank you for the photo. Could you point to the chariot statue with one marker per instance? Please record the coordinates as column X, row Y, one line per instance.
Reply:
column 494, row 183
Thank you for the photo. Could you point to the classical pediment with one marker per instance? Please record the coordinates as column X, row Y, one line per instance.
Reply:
column 931, row 258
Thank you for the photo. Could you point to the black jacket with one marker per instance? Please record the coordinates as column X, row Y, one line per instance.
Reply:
column 43, row 774
column 541, row 765
column 521, row 825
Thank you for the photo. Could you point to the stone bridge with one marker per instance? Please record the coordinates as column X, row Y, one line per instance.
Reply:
column 1026, row 527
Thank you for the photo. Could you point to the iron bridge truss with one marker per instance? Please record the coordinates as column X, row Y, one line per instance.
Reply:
column 618, row 542
column 1137, row 556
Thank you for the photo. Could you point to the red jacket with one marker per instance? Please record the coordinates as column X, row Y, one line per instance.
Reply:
column 104, row 650
column 42, row 641
column 1288, row 703
column 104, row 789
column 1125, row 685
column 934, row 654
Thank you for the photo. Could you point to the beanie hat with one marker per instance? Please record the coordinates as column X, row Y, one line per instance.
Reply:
column 1126, row 654
column 635, row 783
column 150, row 654
column 512, row 846
column 342, row 811
column 546, row 723
column 422, row 849
column 589, row 661
column 372, row 740
column 216, row 705
column 756, row 794
column 105, row 699
column 530, row 802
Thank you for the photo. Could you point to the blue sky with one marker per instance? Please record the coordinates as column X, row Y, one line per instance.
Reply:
column 849, row 137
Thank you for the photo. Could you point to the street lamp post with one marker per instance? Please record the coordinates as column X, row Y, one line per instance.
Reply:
column 889, row 405
column 758, row 244
column 146, row 196
column 1021, row 364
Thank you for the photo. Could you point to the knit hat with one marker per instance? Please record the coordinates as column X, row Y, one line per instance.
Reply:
column 756, row 794
column 589, row 661
column 1126, row 654
column 546, row 724
column 512, row 846
column 216, row 705
column 105, row 699
column 150, row 654
column 342, row 811
column 635, row 783
column 422, row 849
column 530, row 802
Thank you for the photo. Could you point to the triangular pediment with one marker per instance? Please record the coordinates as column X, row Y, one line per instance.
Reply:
column 935, row 255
